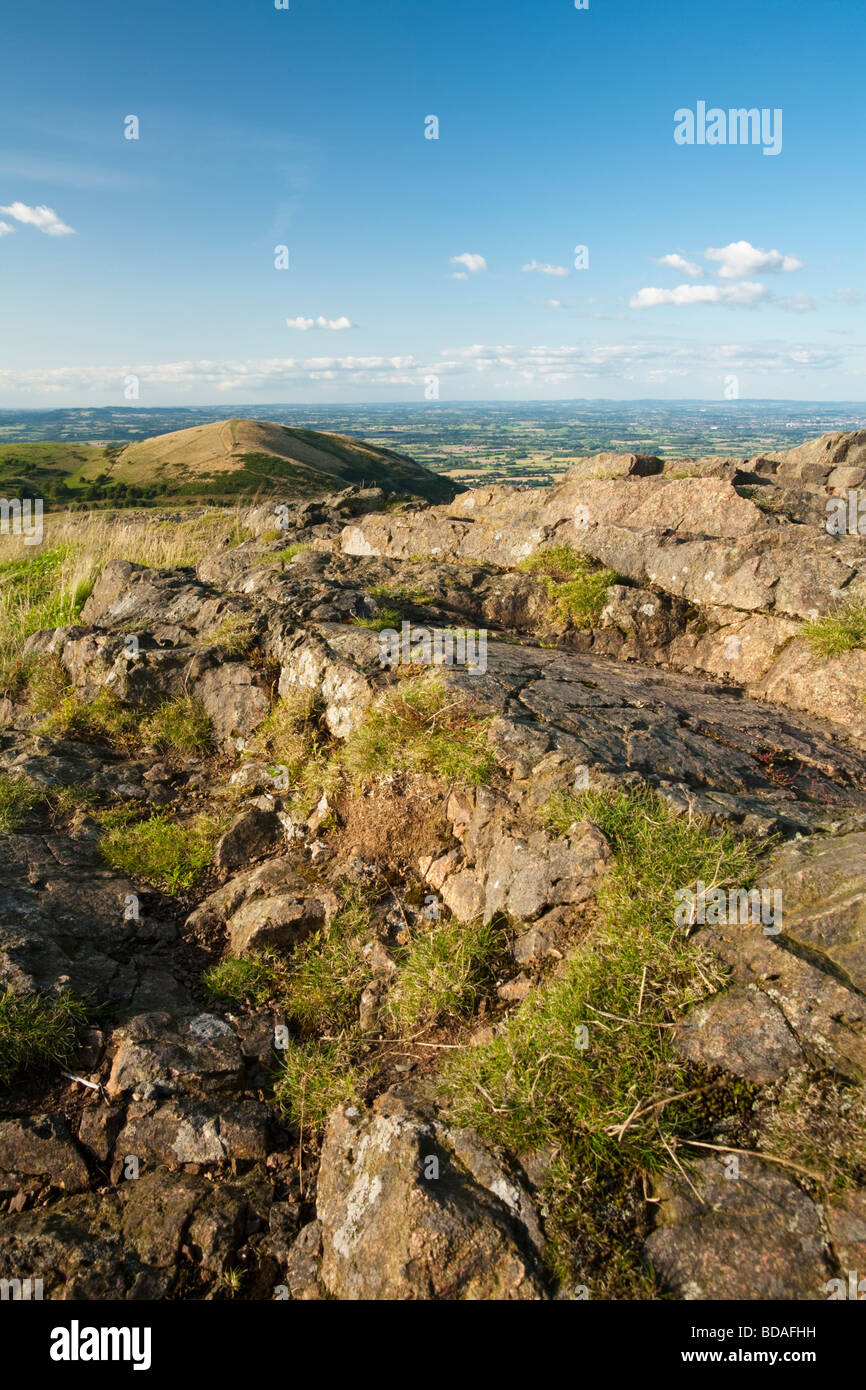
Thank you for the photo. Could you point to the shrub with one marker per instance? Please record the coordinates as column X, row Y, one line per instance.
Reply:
column 103, row 717
column 329, row 972
column 234, row 635
column 401, row 593
column 286, row 555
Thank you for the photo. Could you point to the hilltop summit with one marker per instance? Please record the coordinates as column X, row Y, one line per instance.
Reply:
column 241, row 456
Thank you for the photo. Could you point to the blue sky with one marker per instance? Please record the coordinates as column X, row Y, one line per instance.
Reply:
column 306, row 127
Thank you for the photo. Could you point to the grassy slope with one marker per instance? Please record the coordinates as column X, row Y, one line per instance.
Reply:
column 222, row 460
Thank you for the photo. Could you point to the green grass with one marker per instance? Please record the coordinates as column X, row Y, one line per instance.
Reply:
column 401, row 593
column 388, row 617
column 180, row 725
column 840, row 631
column 443, row 972
column 576, row 586
column 328, row 973
column 607, row 1109
column 39, row 591
column 47, row 682
column 104, row 717
column 18, row 797
column 234, row 635
column 37, row 1031
column 285, row 555
column 421, row 727
column 313, row 1079
column 252, row 981
column 170, row 855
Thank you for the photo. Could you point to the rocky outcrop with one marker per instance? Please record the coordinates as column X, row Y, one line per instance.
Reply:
column 158, row 1166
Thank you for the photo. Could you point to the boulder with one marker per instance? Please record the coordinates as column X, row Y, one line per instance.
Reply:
column 753, row 1237
column 411, row 1209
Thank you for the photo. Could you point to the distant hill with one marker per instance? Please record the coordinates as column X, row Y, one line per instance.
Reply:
column 219, row 461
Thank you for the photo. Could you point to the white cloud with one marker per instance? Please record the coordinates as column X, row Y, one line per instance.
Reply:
column 849, row 296
column 471, row 261
column 43, row 218
column 478, row 365
column 556, row 303
column 5, row 229
column 460, row 275
column 744, row 295
column 741, row 258
column 332, row 325
column 677, row 262
column 544, row 269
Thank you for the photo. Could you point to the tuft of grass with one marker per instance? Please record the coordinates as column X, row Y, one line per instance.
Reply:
column 401, row 593
column 252, row 980
column 839, row 631
column 387, row 617
column 421, row 727
column 329, row 972
column 443, row 972
column 18, row 797
column 48, row 683
column 313, row 1079
column 286, row 555
column 37, row 1031
column 605, row 1100
column 170, row 855
column 179, row 725
column 576, row 585
column 289, row 737
column 234, row 635
column 103, row 717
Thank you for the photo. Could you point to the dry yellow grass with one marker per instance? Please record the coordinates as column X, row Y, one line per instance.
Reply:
column 45, row 585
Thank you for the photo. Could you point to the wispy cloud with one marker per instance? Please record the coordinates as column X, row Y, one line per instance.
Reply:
column 43, row 218
column 795, row 303
column 5, row 229
column 330, row 325
column 545, row 269
column 849, row 296
column 545, row 364
column 677, row 262
column 740, row 258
